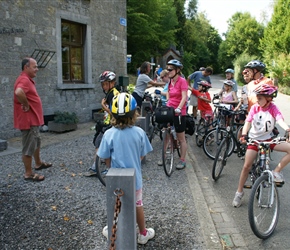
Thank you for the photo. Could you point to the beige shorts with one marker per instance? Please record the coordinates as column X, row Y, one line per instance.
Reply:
column 30, row 140
column 193, row 101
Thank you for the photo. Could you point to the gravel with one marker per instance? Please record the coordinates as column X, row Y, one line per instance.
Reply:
column 68, row 210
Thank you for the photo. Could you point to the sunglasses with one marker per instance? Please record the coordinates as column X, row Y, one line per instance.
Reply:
column 245, row 72
column 170, row 70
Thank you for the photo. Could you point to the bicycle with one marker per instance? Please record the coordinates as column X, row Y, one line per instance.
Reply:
column 204, row 124
column 214, row 136
column 169, row 145
column 227, row 146
column 264, row 204
column 155, row 102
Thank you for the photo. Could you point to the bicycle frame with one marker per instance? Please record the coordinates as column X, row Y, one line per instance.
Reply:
column 263, row 158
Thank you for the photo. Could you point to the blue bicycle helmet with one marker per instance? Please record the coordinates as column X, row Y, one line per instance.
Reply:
column 230, row 71
column 175, row 63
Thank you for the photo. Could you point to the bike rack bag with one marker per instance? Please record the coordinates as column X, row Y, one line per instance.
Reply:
column 164, row 114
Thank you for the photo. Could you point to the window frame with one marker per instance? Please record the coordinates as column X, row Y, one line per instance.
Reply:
column 87, row 60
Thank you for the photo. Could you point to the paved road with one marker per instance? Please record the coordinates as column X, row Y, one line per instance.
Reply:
column 223, row 190
column 212, row 200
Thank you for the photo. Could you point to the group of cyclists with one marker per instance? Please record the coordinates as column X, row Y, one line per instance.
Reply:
column 257, row 93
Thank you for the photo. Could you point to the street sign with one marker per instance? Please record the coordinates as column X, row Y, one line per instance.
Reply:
column 123, row 21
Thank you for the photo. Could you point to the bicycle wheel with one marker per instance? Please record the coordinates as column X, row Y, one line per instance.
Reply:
column 213, row 139
column 220, row 159
column 263, row 216
column 101, row 170
column 167, row 153
column 200, row 132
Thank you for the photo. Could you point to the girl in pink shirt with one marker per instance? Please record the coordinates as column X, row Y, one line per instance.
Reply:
column 261, row 121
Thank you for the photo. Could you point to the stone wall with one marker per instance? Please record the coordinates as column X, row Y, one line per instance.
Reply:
column 26, row 25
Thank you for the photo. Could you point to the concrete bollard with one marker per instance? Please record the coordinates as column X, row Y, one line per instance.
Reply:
column 123, row 178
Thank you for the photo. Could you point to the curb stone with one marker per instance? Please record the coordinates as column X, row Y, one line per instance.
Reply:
column 219, row 229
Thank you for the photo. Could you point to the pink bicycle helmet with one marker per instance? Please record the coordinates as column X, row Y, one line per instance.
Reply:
column 267, row 90
column 204, row 84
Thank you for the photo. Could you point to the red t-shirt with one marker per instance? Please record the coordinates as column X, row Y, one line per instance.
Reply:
column 201, row 104
column 34, row 116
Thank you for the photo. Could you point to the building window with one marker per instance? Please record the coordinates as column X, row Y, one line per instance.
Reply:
column 74, row 51
column 72, row 46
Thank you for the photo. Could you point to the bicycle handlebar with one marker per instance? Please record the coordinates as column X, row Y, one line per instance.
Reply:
column 276, row 140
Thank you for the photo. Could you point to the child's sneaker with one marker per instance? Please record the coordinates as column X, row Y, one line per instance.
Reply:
column 238, row 199
column 149, row 235
column 90, row 172
column 278, row 177
column 181, row 165
column 160, row 163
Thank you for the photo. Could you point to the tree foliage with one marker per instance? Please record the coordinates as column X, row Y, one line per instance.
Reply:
column 242, row 36
column 151, row 29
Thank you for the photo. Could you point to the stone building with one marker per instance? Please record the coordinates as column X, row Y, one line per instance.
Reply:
column 73, row 41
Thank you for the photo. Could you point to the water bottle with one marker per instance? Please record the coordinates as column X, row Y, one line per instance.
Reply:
column 173, row 132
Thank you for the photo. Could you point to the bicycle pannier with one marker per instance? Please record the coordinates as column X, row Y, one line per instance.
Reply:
column 190, row 125
column 164, row 114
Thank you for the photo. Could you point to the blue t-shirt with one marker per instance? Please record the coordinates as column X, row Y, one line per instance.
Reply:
column 163, row 98
column 197, row 76
column 125, row 147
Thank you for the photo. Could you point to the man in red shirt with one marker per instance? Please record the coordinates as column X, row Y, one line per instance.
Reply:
column 28, row 116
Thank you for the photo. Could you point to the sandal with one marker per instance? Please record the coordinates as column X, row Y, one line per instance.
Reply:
column 34, row 177
column 44, row 165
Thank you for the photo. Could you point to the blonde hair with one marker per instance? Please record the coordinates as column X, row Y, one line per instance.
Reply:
column 124, row 122
column 164, row 73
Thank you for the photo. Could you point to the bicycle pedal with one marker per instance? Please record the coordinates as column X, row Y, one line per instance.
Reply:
column 248, row 186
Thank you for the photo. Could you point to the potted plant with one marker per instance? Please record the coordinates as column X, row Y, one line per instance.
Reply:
column 63, row 121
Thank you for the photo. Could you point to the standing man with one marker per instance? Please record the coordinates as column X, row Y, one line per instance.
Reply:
column 28, row 116
column 198, row 76
column 254, row 77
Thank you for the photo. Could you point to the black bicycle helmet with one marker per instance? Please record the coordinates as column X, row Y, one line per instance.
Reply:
column 107, row 76
column 255, row 64
column 175, row 63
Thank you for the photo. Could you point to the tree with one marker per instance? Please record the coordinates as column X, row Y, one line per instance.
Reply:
column 191, row 10
column 242, row 36
column 276, row 38
column 151, row 29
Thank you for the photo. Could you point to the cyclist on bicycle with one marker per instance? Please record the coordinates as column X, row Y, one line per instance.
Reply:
column 203, row 100
column 108, row 80
column 177, row 98
column 254, row 77
column 261, row 121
